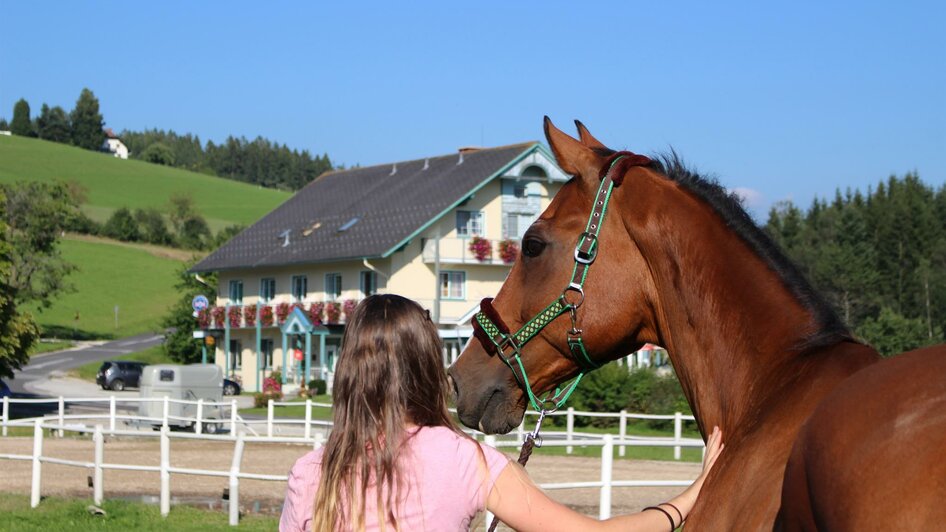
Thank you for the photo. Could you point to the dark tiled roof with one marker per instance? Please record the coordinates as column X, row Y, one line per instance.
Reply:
column 389, row 208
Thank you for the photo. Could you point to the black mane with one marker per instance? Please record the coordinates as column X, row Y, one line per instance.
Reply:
column 730, row 209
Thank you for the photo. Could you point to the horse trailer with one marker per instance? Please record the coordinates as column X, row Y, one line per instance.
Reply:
column 183, row 383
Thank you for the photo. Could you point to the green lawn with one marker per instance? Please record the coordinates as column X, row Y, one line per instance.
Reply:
column 152, row 355
column 634, row 428
column 50, row 346
column 113, row 183
column 138, row 282
column 56, row 513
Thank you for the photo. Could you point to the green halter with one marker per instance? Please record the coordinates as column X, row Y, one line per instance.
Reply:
column 496, row 337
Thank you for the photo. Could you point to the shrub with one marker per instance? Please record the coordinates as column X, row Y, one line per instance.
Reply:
column 122, row 226
column 318, row 386
column 602, row 390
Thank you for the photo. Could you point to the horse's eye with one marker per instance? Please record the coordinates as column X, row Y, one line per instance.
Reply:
column 532, row 247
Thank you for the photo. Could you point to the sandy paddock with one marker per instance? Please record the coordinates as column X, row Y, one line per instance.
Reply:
column 277, row 459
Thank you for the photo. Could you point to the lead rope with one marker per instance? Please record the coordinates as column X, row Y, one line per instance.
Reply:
column 531, row 441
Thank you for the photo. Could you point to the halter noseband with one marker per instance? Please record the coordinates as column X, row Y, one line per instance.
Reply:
column 496, row 337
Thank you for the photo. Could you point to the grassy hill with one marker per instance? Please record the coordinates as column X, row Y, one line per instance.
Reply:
column 113, row 183
column 138, row 279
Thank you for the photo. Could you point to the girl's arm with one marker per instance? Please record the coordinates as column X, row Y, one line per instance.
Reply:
column 519, row 503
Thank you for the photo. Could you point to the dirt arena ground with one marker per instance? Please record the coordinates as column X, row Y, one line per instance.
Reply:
column 266, row 496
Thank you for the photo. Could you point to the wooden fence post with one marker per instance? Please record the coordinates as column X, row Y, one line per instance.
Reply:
column 607, row 462
column 165, row 465
column 98, row 489
column 37, row 465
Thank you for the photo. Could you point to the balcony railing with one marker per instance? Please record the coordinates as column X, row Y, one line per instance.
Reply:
column 458, row 251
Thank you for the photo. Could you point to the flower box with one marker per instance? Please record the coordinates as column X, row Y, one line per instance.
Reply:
column 249, row 315
column 508, row 251
column 333, row 312
column 481, row 248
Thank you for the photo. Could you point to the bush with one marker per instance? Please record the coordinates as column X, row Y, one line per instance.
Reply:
column 261, row 400
column 613, row 388
column 122, row 226
column 317, row 387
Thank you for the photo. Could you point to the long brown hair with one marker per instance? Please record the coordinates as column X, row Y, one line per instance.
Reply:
column 389, row 374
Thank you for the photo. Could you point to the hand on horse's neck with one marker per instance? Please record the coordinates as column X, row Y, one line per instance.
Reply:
column 726, row 318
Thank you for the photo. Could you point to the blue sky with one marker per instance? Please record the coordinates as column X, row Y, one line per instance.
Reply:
column 785, row 101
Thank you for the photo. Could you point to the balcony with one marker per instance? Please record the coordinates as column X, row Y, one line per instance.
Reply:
column 457, row 251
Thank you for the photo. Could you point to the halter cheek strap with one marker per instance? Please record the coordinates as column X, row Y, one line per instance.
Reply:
column 496, row 337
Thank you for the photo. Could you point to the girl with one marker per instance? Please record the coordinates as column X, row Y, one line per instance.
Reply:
column 395, row 460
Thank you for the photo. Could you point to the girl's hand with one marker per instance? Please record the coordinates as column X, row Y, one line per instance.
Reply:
column 714, row 446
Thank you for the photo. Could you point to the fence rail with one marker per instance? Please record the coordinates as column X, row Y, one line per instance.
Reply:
column 309, row 436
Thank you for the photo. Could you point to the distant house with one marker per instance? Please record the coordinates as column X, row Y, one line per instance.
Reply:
column 114, row 145
column 286, row 283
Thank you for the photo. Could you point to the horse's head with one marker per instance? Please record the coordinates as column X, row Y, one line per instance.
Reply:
column 615, row 314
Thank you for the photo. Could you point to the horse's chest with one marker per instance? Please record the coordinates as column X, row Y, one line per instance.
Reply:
column 742, row 496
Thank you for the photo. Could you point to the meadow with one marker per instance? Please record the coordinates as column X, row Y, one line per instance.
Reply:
column 112, row 183
column 138, row 281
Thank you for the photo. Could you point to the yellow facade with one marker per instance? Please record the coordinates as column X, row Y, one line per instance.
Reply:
column 410, row 271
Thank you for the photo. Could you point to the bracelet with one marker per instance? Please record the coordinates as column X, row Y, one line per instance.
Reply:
column 665, row 512
column 675, row 508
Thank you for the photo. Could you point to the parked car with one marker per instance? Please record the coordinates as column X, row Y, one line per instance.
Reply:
column 117, row 375
column 4, row 390
column 231, row 387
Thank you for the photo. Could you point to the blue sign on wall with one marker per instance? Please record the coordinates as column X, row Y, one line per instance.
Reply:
column 200, row 302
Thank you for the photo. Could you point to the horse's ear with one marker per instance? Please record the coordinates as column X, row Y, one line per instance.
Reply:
column 586, row 138
column 573, row 157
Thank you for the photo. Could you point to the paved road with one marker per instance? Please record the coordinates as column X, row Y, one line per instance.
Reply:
column 42, row 366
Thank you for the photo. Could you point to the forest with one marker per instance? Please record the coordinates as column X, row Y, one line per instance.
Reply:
column 878, row 256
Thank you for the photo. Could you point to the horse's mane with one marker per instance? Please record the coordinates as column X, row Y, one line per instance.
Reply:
column 729, row 207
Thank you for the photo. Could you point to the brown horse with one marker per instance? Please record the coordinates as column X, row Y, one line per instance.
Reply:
column 757, row 352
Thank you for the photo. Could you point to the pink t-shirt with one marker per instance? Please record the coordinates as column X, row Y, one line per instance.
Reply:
column 448, row 484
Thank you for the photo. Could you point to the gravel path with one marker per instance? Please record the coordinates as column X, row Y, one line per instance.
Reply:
column 277, row 459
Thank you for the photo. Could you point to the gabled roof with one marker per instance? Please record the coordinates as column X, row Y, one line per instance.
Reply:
column 363, row 212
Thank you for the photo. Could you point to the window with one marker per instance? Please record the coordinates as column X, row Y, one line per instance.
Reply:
column 333, row 286
column 469, row 223
column 167, row 375
column 519, row 190
column 266, row 352
column 267, row 290
column 369, row 283
column 300, row 287
column 236, row 292
column 453, row 285
column 236, row 355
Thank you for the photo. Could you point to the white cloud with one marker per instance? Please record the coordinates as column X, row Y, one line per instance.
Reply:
column 750, row 197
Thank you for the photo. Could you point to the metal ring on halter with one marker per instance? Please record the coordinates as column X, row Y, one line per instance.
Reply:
column 589, row 257
column 574, row 287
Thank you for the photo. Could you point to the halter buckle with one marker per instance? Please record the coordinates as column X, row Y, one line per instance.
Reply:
column 586, row 257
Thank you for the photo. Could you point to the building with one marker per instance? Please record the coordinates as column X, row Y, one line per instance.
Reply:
column 114, row 145
column 442, row 231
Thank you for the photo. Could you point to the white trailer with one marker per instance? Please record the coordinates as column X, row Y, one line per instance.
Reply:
column 183, row 383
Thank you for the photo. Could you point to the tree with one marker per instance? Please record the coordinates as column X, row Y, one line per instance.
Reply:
column 22, row 125
column 158, row 153
column 18, row 331
column 891, row 333
column 195, row 233
column 226, row 234
column 35, row 214
column 4, row 125
column 53, row 124
column 87, row 122
column 181, row 209
column 122, row 226
column 179, row 344
column 153, row 228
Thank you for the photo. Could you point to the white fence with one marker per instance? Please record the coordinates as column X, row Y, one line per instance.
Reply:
column 310, row 432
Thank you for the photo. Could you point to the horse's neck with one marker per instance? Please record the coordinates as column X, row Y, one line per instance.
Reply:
column 731, row 326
